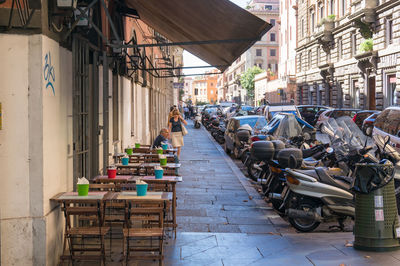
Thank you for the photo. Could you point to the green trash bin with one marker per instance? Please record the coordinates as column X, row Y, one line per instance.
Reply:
column 376, row 225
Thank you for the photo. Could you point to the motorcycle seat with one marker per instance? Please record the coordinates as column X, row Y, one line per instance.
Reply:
column 310, row 162
column 310, row 172
column 326, row 177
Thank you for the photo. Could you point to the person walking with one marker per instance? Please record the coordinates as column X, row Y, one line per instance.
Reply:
column 186, row 110
column 175, row 127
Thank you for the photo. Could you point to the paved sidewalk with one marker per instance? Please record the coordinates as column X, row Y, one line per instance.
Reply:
column 224, row 221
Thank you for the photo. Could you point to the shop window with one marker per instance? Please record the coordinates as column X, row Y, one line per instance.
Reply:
column 389, row 31
column 340, row 48
column 312, row 18
column 391, row 89
column 353, row 40
column 343, row 8
column 355, row 95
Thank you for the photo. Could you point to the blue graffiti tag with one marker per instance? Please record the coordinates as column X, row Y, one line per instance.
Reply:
column 49, row 74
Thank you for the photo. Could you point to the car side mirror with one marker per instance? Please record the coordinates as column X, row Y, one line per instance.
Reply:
column 398, row 134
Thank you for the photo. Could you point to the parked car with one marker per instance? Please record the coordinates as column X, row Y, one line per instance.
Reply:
column 368, row 124
column 388, row 123
column 271, row 110
column 308, row 112
column 359, row 117
column 256, row 122
column 285, row 125
column 334, row 113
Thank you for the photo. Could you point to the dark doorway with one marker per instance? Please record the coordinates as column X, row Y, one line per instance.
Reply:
column 371, row 93
column 85, row 109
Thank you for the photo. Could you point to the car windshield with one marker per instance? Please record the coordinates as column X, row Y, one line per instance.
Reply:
column 257, row 123
column 340, row 113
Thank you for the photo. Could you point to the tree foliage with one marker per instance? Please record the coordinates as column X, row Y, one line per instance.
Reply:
column 247, row 80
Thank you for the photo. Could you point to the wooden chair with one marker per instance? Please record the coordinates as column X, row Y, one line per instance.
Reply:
column 167, row 171
column 141, row 150
column 144, row 221
column 137, row 159
column 128, row 171
column 92, row 230
column 102, row 187
column 154, row 159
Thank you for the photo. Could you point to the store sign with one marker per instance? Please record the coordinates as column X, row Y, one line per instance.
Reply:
column 178, row 85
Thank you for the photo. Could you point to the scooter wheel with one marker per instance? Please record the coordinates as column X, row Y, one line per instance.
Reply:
column 252, row 172
column 228, row 151
column 304, row 225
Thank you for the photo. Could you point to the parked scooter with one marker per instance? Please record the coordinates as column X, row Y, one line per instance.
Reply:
column 243, row 135
column 197, row 121
column 323, row 194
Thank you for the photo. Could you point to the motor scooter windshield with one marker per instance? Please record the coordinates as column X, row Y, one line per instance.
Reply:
column 347, row 136
column 288, row 128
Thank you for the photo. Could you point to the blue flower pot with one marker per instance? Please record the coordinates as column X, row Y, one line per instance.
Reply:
column 159, row 173
column 125, row 161
column 141, row 189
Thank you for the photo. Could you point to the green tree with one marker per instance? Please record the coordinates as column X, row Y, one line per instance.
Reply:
column 247, row 80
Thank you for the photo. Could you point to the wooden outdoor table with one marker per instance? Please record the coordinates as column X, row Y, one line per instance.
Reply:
column 167, row 180
column 74, row 197
column 129, row 165
column 93, row 198
column 129, row 169
column 168, row 165
column 117, row 179
column 131, row 196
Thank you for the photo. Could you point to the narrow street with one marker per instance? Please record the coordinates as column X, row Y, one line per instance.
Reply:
column 224, row 221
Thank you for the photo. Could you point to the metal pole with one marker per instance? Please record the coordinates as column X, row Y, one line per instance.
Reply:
column 105, row 111
column 182, row 43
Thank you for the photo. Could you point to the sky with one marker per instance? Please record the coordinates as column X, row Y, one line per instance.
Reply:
column 191, row 60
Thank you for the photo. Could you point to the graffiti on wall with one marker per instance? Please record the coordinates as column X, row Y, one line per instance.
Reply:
column 48, row 71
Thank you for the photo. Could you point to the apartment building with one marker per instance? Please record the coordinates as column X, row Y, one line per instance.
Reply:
column 187, row 89
column 348, row 53
column 264, row 53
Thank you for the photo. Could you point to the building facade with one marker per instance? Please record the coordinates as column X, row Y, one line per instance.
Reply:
column 67, row 103
column 264, row 53
column 199, row 90
column 348, row 53
column 187, row 89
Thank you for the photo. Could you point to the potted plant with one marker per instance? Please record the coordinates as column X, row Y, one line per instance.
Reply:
column 367, row 46
column 329, row 22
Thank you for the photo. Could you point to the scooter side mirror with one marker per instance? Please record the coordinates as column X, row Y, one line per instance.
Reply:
column 387, row 140
column 368, row 131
